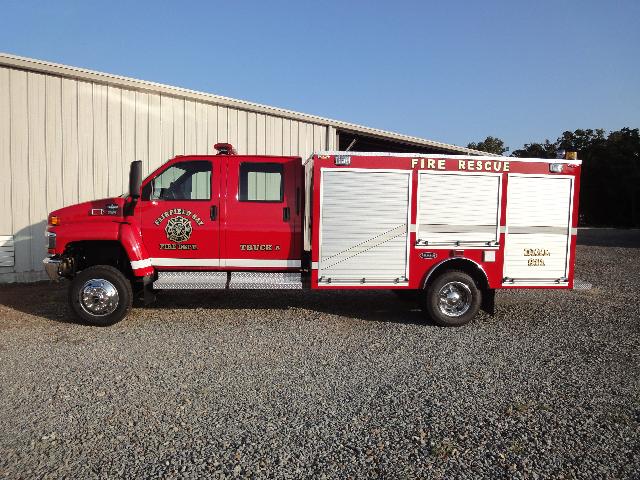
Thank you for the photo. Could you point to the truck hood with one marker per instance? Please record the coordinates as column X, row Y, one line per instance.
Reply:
column 106, row 209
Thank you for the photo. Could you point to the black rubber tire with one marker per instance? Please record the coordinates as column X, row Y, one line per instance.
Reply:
column 119, row 281
column 430, row 299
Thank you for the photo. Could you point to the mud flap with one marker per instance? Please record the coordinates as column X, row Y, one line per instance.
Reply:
column 489, row 301
column 147, row 290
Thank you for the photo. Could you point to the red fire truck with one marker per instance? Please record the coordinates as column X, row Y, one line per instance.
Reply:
column 446, row 230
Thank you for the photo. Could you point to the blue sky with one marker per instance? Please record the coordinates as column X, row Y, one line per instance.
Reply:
column 450, row 71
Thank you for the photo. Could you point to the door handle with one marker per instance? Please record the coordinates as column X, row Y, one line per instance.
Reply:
column 213, row 212
column 285, row 214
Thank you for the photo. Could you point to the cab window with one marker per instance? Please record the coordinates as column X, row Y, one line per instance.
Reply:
column 261, row 182
column 181, row 181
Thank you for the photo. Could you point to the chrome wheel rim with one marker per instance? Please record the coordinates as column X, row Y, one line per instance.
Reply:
column 454, row 299
column 98, row 297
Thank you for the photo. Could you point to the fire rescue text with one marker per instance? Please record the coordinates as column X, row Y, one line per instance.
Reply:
column 470, row 165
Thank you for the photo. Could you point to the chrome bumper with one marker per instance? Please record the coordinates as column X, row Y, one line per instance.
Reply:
column 52, row 266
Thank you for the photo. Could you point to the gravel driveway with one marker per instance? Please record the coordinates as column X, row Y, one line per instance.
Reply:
column 333, row 385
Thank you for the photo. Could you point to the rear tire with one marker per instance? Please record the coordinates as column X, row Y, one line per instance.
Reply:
column 100, row 295
column 452, row 299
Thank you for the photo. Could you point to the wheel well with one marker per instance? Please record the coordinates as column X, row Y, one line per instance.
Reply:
column 99, row 252
column 462, row 264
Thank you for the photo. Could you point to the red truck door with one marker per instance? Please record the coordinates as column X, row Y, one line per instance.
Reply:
column 179, row 212
column 262, row 213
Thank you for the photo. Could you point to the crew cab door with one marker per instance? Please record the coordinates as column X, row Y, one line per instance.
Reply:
column 179, row 210
column 262, row 218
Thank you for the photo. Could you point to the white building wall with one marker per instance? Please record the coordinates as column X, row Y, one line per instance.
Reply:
column 66, row 140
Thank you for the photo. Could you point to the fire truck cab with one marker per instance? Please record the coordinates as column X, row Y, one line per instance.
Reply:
column 445, row 230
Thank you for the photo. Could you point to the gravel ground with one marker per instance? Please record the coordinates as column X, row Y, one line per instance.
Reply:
column 327, row 385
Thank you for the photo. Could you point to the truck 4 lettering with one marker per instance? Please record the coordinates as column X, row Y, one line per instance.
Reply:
column 461, row 165
column 264, row 247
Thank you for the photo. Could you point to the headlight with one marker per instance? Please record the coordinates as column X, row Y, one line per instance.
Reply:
column 51, row 241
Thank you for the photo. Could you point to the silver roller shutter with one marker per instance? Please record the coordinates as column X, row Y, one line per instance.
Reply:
column 364, row 226
column 458, row 208
column 538, row 229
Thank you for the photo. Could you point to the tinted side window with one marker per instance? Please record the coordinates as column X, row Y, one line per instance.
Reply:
column 181, row 181
column 261, row 182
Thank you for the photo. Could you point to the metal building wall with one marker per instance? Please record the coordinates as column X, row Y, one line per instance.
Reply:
column 66, row 140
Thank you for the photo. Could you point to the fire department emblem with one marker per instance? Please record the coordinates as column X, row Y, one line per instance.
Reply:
column 178, row 229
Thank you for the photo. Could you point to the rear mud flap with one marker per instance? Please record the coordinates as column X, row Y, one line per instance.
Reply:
column 489, row 301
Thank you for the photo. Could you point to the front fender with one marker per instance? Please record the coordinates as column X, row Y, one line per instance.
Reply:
column 131, row 240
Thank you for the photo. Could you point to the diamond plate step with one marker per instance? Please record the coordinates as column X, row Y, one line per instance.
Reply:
column 266, row 280
column 221, row 280
column 190, row 280
column 581, row 285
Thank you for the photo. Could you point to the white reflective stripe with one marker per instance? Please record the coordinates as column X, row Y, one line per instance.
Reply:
column 314, row 265
column 137, row 264
column 185, row 262
column 574, row 231
column 252, row 262
column 412, row 228
column 503, row 229
column 222, row 262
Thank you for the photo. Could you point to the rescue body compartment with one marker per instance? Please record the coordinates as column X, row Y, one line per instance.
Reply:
column 387, row 220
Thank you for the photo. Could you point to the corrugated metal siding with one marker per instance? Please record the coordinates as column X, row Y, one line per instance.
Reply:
column 538, row 218
column 64, row 141
column 461, row 208
column 364, row 225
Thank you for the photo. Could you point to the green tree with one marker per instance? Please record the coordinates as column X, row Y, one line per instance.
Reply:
column 581, row 140
column 491, row 145
column 544, row 149
column 610, row 180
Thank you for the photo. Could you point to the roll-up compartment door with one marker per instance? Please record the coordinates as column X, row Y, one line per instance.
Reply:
column 538, row 229
column 458, row 208
column 364, row 226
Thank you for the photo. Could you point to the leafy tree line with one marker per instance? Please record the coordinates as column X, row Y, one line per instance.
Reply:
column 610, row 179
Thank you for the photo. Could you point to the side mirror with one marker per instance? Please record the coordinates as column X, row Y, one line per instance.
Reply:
column 135, row 179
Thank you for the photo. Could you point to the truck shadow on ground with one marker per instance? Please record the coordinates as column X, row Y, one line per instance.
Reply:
column 380, row 306
column 49, row 301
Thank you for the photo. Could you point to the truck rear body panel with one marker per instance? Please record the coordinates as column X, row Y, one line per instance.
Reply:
column 387, row 220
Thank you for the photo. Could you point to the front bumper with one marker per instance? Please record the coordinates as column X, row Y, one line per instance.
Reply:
column 52, row 266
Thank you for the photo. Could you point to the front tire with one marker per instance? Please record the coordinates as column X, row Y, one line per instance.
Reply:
column 452, row 299
column 100, row 295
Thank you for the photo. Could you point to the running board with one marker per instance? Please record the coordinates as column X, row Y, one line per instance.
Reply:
column 228, row 280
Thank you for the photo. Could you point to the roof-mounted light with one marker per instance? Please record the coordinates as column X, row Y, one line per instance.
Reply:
column 225, row 149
